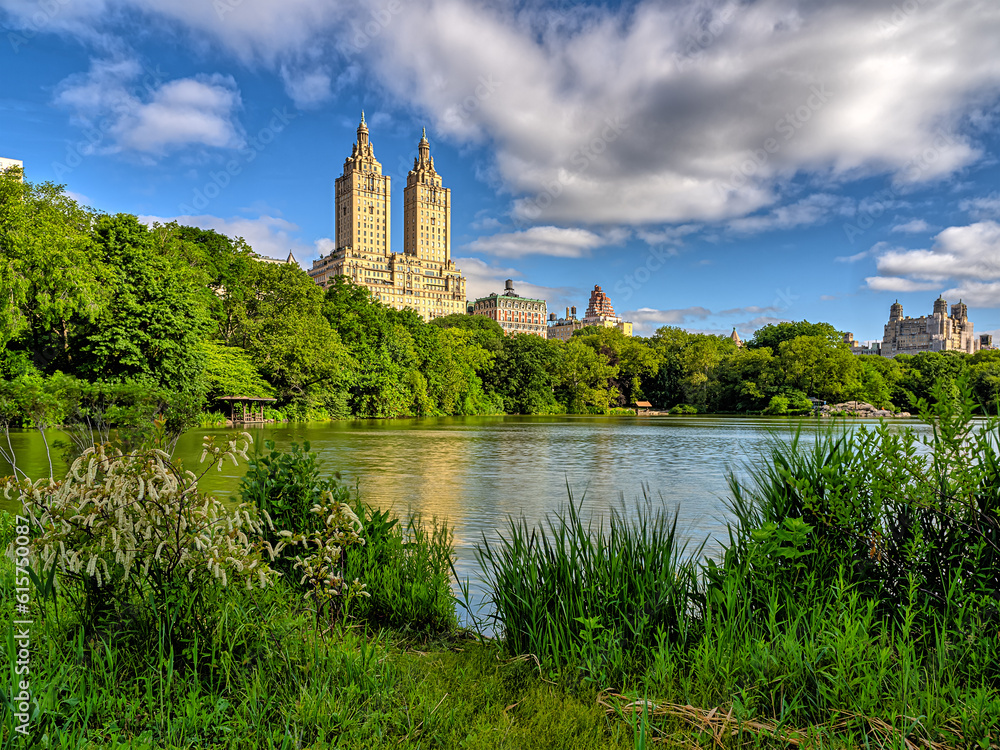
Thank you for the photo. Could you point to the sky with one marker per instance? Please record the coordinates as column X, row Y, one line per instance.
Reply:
column 712, row 165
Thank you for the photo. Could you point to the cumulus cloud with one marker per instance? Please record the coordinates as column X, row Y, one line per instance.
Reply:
column 971, row 252
column 126, row 108
column 270, row 236
column 553, row 241
column 642, row 113
column 483, row 279
column 647, row 319
column 986, row 207
column 976, row 293
column 814, row 209
column 609, row 118
column 307, row 87
column 969, row 255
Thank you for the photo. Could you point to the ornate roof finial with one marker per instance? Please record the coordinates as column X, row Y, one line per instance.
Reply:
column 363, row 117
column 423, row 133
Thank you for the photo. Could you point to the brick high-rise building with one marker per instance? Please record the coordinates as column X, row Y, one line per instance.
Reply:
column 422, row 277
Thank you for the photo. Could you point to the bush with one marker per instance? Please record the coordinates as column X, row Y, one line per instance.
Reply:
column 684, row 409
column 129, row 534
column 405, row 569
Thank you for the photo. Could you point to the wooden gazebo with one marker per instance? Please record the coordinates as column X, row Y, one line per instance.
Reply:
column 641, row 407
column 251, row 408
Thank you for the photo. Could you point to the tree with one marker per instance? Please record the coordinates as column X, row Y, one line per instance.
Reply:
column 154, row 319
column 51, row 280
column 774, row 334
column 582, row 376
column 633, row 356
column 821, row 367
column 523, row 374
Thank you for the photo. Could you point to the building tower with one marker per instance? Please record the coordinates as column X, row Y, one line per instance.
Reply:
column 361, row 202
column 896, row 311
column 426, row 209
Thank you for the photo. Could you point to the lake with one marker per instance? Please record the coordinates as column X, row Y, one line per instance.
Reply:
column 477, row 471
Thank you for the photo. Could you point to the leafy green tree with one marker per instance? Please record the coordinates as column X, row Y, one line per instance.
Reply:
column 523, row 375
column 50, row 277
column 821, row 367
column 582, row 376
column 774, row 334
column 230, row 371
column 635, row 360
column 153, row 322
column 746, row 380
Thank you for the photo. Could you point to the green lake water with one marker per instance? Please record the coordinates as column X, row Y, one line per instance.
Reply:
column 477, row 471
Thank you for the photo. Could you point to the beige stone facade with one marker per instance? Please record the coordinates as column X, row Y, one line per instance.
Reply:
column 423, row 277
column 514, row 313
column 600, row 313
column 938, row 332
column 6, row 164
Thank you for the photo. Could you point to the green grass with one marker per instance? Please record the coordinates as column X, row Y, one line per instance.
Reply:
column 854, row 606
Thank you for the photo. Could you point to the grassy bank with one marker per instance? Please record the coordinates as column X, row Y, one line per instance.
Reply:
column 855, row 605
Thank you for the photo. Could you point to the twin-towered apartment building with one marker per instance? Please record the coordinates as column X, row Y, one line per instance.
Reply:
column 423, row 277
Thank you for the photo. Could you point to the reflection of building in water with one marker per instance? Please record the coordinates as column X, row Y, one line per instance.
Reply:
column 938, row 332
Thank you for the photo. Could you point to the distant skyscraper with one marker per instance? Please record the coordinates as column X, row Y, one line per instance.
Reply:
column 423, row 277
column 426, row 209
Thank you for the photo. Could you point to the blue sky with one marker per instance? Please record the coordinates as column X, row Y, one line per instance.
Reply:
column 710, row 164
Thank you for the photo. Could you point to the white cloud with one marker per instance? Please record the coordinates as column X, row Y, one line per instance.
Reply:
column 648, row 319
column 814, row 209
column 124, row 108
column 971, row 252
column 986, row 207
column 893, row 284
column 612, row 115
column 914, row 226
column 482, row 279
column 270, row 236
column 967, row 254
column 307, row 87
column 553, row 241
column 976, row 293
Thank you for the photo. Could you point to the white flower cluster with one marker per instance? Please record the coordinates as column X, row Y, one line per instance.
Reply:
column 119, row 515
column 323, row 568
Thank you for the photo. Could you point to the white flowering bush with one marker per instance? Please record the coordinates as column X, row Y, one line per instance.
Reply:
column 124, row 524
column 322, row 565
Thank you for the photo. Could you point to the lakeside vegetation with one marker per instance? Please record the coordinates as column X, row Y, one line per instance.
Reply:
column 854, row 605
column 110, row 316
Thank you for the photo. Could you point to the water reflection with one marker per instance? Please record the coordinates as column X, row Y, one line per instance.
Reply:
column 477, row 471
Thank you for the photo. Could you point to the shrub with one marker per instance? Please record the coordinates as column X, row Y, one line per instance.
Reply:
column 684, row 409
column 405, row 569
column 130, row 532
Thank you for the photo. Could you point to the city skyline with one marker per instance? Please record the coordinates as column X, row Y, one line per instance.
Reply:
column 711, row 166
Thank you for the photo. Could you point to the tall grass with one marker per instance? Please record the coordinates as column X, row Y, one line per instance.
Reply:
column 596, row 598
column 854, row 604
